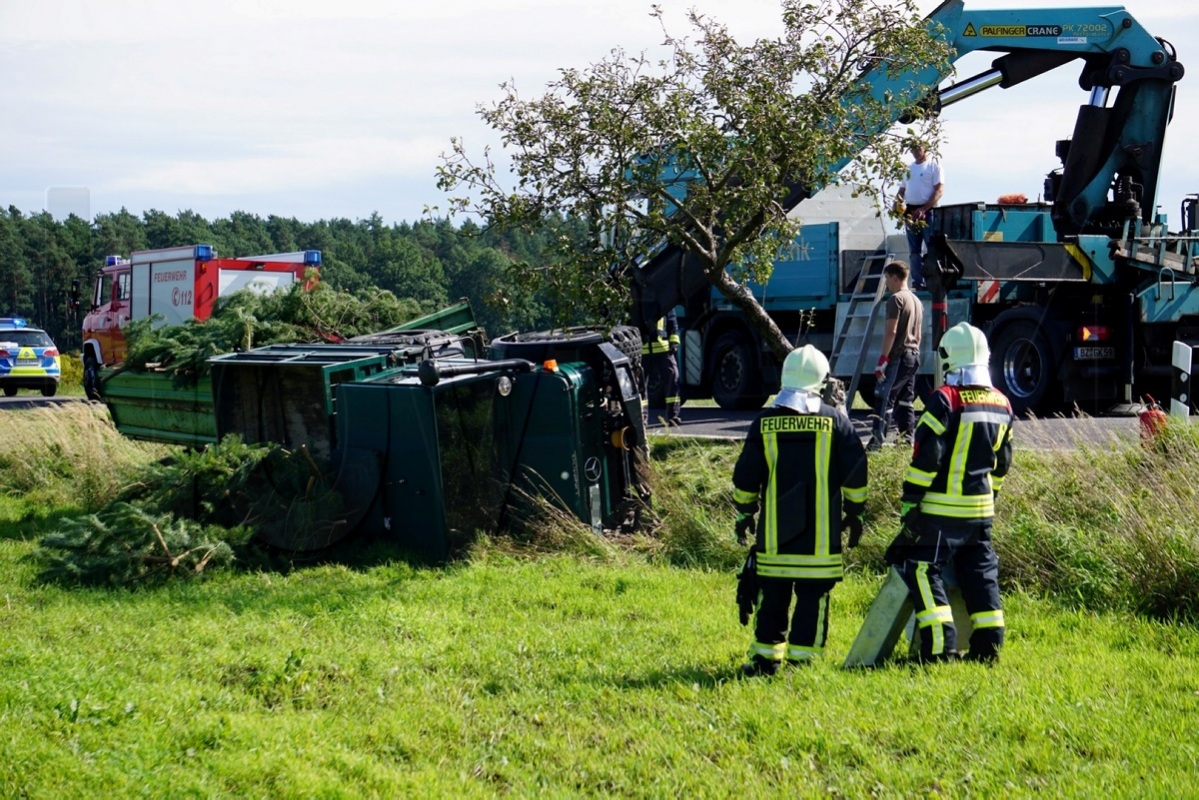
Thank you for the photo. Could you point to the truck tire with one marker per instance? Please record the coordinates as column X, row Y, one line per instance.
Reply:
column 1023, row 366
column 735, row 385
column 91, row 377
column 627, row 340
column 566, row 344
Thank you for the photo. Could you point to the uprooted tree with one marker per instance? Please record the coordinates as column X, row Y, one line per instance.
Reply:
column 699, row 148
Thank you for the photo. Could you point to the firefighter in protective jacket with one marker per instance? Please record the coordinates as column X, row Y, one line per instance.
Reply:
column 802, row 466
column 659, row 355
column 961, row 453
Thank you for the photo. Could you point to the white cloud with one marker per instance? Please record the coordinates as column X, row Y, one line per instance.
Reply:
column 247, row 102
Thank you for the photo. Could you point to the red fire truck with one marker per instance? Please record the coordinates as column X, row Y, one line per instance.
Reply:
column 174, row 284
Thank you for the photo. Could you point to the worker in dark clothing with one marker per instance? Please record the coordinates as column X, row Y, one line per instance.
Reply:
column 899, row 360
column 659, row 357
column 802, row 465
column 961, row 453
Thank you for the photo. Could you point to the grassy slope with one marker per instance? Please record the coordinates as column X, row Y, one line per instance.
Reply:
column 555, row 675
column 604, row 671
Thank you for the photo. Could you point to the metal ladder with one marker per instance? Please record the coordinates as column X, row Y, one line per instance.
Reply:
column 854, row 335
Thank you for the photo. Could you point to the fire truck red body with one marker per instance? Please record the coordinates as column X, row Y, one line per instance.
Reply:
column 175, row 284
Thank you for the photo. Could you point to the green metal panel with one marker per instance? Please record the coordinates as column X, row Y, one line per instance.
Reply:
column 287, row 393
column 150, row 406
column 550, row 440
column 458, row 318
column 461, row 456
column 436, row 444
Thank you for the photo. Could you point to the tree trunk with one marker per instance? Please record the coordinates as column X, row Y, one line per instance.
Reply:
column 743, row 298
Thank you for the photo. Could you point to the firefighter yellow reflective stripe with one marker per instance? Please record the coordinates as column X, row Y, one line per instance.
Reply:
column 987, row 619
column 930, row 618
column 824, row 446
column 854, row 494
column 919, row 476
column 942, row 615
column 977, row 506
column 1001, row 436
column 743, row 498
column 770, row 444
column 802, row 573
column 956, row 474
column 932, row 422
column 772, row 652
column 797, row 653
column 786, row 565
column 996, row 482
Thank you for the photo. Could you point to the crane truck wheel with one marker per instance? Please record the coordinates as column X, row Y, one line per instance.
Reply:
column 1023, row 366
column 91, row 377
column 735, row 385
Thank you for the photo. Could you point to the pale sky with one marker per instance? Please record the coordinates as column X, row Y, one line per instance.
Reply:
column 339, row 108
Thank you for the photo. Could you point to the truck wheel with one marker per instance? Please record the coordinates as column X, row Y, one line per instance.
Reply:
column 91, row 377
column 627, row 340
column 734, row 384
column 1022, row 366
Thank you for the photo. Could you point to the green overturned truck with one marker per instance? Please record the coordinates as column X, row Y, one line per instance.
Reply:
column 431, row 434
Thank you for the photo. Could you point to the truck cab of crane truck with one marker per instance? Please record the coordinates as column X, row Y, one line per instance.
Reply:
column 173, row 285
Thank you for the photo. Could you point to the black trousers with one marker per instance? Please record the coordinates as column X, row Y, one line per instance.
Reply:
column 809, row 622
column 967, row 545
column 667, row 371
column 896, row 396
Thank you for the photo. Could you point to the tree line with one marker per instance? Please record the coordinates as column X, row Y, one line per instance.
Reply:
column 433, row 262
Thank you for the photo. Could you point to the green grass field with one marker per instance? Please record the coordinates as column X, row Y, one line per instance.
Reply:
column 566, row 667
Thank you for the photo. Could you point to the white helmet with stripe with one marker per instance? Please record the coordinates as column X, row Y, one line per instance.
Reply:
column 962, row 346
column 805, row 369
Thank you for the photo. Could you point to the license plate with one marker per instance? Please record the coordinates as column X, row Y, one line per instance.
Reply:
column 1093, row 353
column 27, row 362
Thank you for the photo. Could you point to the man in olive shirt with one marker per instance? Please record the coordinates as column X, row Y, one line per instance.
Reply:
column 900, row 357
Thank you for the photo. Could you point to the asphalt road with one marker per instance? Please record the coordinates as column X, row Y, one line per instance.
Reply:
column 710, row 422
column 26, row 400
column 1042, row 434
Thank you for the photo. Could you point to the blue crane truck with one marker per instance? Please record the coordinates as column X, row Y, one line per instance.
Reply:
column 1082, row 296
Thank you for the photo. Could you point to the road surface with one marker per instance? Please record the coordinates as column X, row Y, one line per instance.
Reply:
column 1041, row 434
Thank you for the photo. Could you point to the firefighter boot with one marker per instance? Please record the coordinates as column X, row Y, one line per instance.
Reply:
column 759, row 666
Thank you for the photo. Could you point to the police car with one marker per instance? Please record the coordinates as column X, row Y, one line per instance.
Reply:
column 28, row 358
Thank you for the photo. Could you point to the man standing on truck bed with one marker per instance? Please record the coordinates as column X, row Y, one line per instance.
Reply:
column 899, row 359
column 918, row 196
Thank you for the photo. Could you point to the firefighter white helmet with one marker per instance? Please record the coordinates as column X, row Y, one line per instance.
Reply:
column 962, row 346
column 806, row 369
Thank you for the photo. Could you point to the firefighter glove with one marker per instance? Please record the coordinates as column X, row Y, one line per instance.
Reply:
column 910, row 516
column 853, row 523
column 880, row 372
column 745, row 525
